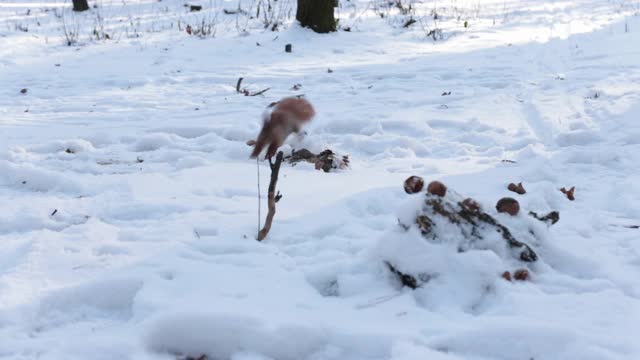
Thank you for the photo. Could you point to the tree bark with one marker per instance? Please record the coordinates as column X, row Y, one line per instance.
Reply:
column 80, row 5
column 317, row 15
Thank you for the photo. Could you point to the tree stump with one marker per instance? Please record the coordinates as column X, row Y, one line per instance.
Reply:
column 317, row 15
column 80, row 5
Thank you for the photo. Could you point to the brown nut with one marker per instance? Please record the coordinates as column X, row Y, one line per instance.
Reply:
column 506, row 275
column 508, row 205
column 521, row 275
column 569, row 193
column 471, row 204
column 437, row 188
column 518, row 189
column 413, row 184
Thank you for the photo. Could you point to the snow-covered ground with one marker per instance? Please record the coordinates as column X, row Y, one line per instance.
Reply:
column 130, row 205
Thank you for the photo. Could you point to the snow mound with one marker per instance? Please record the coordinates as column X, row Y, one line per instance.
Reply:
column 71, row 146
column 36, row 179
column 226, row 336
column 151, row 142
column 108, row 299
column 453, row 252
column 189, row 162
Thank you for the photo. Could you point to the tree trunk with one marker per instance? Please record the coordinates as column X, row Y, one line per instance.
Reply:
column 317, row 15
column 80, row 5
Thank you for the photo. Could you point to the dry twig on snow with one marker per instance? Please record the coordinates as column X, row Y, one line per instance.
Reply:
column 273, row 196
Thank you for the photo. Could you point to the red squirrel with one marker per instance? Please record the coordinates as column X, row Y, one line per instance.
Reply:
column 288, row 116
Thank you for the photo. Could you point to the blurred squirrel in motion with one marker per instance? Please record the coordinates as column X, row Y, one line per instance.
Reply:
column 287, row 116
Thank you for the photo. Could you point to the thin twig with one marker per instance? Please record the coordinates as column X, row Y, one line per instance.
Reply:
column 247, row 92
column 259, row 195
column 275, row 170
column 626, row 226
column 238, row 84
column 259, row 92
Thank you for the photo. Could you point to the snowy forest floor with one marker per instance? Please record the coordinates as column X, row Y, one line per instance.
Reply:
column 130, row 205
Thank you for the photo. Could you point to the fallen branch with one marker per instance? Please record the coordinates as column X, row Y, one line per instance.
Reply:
column 246, row 92
column 626, row 226
column 238, row 84
column 408, row 280
column 273, row 196
column 258, row 93
column 409, row 22
column 234, row 12
column 551, row 217
column 472, row 222
column 326, row 161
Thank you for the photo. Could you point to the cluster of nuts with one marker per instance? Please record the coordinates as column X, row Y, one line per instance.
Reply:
column 415, row 184
column 510, row 206
column 519, row 189
column 519, row 275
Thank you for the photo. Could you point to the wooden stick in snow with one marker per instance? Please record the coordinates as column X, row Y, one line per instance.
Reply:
column 238, row 84
column 273, row 196
column 259, row 92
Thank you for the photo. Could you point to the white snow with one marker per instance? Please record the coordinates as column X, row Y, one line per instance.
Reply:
column 130, row 205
